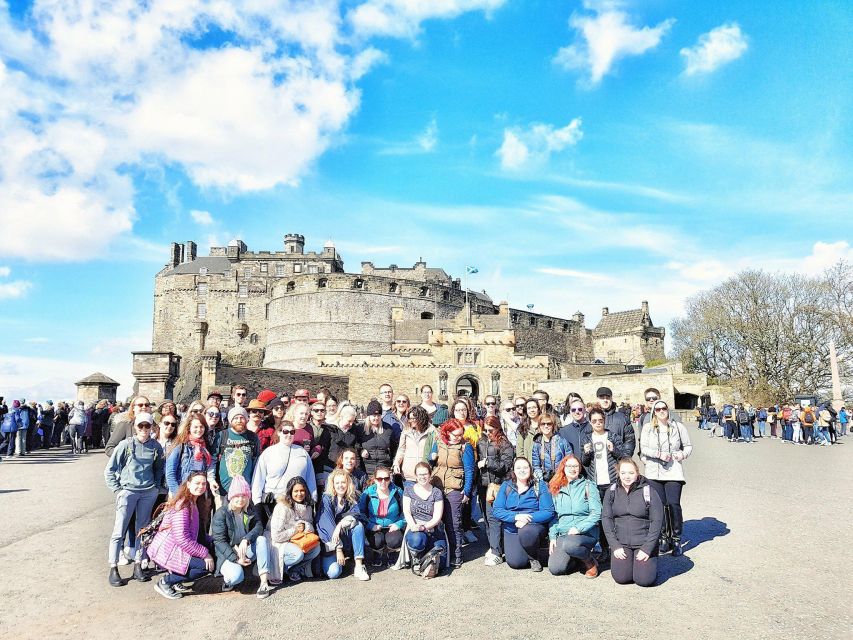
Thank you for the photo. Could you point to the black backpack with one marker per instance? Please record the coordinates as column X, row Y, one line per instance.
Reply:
column 742, row 417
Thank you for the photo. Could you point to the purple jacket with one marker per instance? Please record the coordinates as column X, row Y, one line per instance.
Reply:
column 175, row 542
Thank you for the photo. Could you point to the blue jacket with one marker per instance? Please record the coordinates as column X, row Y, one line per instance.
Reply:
column 368, row 504
column 545, row 459
column 329, row 516
column 12, row 421
column 508, row 504
column 180, row 463
column 24, row 414
column 577, row 505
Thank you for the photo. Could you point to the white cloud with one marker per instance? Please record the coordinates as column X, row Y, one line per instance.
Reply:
column 714, row 49
column 424, row 142
column 14, row 289
column 402, row 18
column 429, row 138
column 605, row 38
column 201, row 217
column 534, row 144
column 5, row 272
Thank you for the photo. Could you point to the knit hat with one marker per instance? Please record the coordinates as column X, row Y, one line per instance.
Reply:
column 374, row 408
column 147, row 418
column 237, row 411
column 239, row 487
column 266, row 395
column 16, row 404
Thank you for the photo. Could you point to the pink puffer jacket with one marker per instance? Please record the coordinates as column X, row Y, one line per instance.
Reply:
column 175, row 542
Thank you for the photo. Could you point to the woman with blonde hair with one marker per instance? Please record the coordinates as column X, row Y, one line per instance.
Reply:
column 196, row 408
column 340, row 525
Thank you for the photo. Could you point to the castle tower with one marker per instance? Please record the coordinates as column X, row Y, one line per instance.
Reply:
column 294, row 243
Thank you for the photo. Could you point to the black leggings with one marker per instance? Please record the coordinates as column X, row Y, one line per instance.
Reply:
column 669, row 492
column 630, row 569
column 385, row 539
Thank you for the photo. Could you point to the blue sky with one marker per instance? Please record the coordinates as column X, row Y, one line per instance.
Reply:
column 580, row 154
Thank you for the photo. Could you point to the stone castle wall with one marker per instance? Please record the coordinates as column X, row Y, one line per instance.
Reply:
column 257, row 379
column 629, row 349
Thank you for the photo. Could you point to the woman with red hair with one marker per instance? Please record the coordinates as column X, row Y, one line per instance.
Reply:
column 574, row 531
column 453, row 474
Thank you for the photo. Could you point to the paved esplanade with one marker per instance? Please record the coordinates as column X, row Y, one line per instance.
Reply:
column 768, row 555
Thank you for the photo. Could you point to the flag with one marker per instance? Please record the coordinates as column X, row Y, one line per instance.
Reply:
column 471, row 270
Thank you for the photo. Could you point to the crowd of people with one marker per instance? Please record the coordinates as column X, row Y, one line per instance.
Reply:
column 292, row 487
column 796, row 423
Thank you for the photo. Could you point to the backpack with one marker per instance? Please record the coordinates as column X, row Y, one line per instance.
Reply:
column 647, row 495
column 742, row 417
column 727, row 411
column 808, row 416
column 762, row 414
column 145, row 536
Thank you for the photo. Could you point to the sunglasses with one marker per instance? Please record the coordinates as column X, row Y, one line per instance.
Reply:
column 318, row 411
column 168, row 423
column 288, row 432
column 662, row 409
column 142, row 404
column 143, row 426
column 212, row 414
column 240, row 395
column 402, row 401
column 519, row 406
column 383, row 479
column 546, row 424
column 578, row 410
column 491, row 404
column 652, row 398
column 195, row 410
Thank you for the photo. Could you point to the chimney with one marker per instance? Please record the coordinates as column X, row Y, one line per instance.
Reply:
column 645, row 306
column 604, row 311
column 175, row 253
column 190, row 250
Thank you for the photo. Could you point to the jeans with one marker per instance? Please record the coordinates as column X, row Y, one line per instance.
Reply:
column 21, row 441
column 195, row 571
column 746, row 432
column 351, row 539
column 233, row 573
column 292, row 557
column 797, row 433
column 762, row 426
column 493, row 525
column 730, row 428
column 567, row 547
column 419, row 542
column 630, row 569
column 129, row 503
column 823, row 434
column 787, row 431
column 522, row 547
column 453, row 522
column 842, row 428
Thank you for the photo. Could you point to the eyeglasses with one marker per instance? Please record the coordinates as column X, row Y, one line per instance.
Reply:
column 383, row 479
column 288, row 432
column 318, row 411
column 572, row 466
column 578, row 409
column 652, row 398
column 662, row 409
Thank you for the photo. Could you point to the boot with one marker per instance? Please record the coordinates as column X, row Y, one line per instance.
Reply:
column 590, row 568
column 675, row 526
column 676, row 547
column 666, row 531
column 115, row 578
column 138, row 573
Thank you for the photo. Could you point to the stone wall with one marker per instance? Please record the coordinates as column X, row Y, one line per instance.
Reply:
column 626, row 388
column 629, row 349
column 91, row 393
column 257, row 379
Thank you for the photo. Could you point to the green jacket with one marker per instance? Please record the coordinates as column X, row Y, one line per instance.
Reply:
column 577, row 505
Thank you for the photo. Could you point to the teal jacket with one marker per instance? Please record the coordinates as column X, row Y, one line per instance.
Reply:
column 577, row 505
column 369, row 506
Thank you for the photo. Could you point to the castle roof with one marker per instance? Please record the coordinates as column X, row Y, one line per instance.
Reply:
column 97, row 378
column 622, row 322
column 216, row 264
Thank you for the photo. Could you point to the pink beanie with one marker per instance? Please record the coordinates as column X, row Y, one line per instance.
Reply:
column 239, row 487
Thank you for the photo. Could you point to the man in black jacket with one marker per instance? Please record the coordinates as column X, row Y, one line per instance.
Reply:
column 617, row 423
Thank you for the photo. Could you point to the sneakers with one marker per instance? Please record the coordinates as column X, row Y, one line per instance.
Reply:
column 227, row 587
column 183, row 587
column 124, row 558
column 492, row 560
column 591, row 569
column 470, row 536
column 535, row 565
column 167, row 591
column 115, row 578
column 263, row 591
column 139, row 574
column 361, row 573
column 456, row 563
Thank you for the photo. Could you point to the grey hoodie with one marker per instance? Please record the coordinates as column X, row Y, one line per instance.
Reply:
column 135, row 466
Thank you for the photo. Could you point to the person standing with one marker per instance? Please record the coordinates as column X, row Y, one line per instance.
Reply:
column 48, row 415
column 415, row 444
column 617, row 424
column 377, row 440
column 495, row 454
column 236, row 450
column 438, row 413
column 573, row 431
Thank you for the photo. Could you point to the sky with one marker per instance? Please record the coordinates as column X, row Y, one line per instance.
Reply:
column 578, row 154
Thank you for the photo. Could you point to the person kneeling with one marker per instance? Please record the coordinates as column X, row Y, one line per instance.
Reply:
column 239, row 540
column 524, row 506
column 633, row 538
column 382, row 505
column 339, row 523
column 574, row 532
column 291, row 534
column 175, row 548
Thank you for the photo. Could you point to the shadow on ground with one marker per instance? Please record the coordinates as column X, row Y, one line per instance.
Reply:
column 695, row 533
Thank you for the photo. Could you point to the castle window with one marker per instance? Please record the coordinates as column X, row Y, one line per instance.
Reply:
column 426, row 315
column 297, row 268
column 586, row 374
column 247, row 271
column 243, row 290
column 424, row 293
column 532, row 321
column 202, row 289
column 264, row 267
column 445, row 295
column 550, row 324
column 322, row 282
column 312, row 268
column 253, row 338
column 393, row 287
column 280, row 269
column 358, row 284
column 202, row 271
column 565, row 326
column 291, row 285
column 267, row 311
column 241, row 311
column 514, row 318
column 201, row 311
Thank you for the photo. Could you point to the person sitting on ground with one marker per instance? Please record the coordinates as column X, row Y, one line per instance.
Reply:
column 239, row 540
column 548, row 448
column 632, row 517
column 382, row 505
column 574, row 532
column 134, row 473
column 293, row 516
column 348, row 461
column 175, row 547
column 525, row 507
column 340, row 526
column 423, row 508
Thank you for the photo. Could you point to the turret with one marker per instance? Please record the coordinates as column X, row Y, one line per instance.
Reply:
column 294, row 243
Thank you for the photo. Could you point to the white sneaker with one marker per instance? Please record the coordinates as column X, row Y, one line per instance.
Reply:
column 361, row 573
column 471, row 537
column 124, row 558
column 492, row 560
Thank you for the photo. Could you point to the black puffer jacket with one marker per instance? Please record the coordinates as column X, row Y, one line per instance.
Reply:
column 628, row 520
column 621, row 433
column 498, row 460
column 379, row 447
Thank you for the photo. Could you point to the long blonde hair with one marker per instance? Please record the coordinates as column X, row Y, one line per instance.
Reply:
column 351, row 495
column 185, row 419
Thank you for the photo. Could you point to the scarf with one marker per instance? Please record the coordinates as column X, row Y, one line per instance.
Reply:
column 200, row 451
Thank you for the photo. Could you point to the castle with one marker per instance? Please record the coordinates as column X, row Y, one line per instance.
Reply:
column 293, row 317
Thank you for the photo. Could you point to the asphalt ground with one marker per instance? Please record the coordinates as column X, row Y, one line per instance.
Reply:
column 767, row 555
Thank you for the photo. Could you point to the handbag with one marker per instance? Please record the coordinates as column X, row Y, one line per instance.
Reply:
column 492, row 492
column 305, row 540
